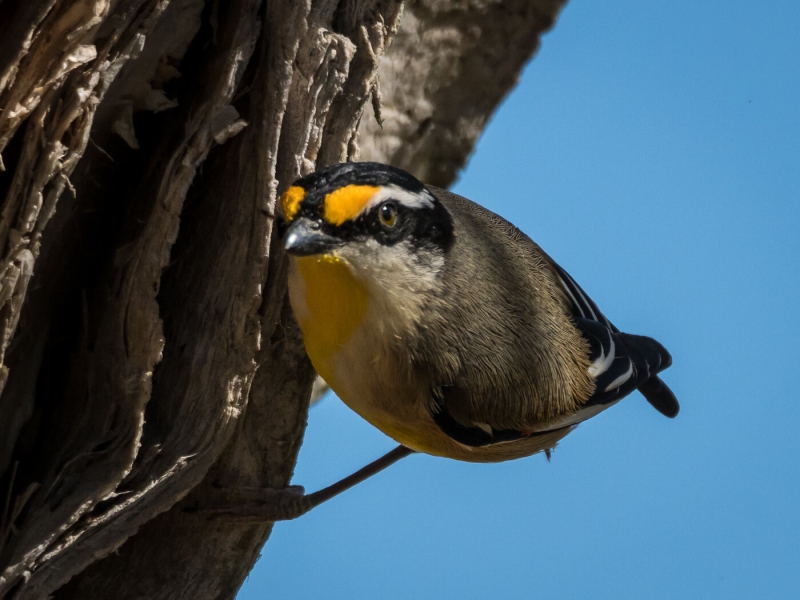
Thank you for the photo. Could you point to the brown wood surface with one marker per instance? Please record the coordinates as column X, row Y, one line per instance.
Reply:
column 147, row 353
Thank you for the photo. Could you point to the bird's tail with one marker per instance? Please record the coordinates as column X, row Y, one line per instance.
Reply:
column 660, row 397
column 651, row 358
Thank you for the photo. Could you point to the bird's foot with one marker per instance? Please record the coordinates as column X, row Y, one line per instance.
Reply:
column 254, row 505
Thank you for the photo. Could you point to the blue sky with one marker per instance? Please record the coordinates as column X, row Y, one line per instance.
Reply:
column 653, row 149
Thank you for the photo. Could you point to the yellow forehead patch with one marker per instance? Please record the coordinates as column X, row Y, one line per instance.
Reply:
column 347, row 202
column 290, row 201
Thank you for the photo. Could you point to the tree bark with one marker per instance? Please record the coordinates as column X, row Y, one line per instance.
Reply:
column 147, row 352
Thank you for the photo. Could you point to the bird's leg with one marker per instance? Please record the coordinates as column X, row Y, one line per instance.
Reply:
column 258, row 505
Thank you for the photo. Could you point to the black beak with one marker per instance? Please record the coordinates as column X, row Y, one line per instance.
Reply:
column 305, row 238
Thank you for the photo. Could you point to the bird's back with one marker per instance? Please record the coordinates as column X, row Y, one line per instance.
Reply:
column 497, row 355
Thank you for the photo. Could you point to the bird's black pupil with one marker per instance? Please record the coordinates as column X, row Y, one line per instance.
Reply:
column 388, row 212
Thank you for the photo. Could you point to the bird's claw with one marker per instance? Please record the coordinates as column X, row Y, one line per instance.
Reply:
column 255, row 505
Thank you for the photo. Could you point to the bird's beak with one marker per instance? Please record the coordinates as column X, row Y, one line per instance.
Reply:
column 305, row 238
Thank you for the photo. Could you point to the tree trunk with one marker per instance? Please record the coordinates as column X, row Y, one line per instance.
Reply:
column 147, row 352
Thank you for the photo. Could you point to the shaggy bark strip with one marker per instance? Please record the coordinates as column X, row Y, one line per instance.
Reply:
column 126, row 344
column 61, row 107
column 47, row 41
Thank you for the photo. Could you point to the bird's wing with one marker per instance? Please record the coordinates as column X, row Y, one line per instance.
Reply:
column 620, row 362
column 478, row 434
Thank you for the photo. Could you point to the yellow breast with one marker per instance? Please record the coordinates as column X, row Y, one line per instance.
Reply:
column 329, row 303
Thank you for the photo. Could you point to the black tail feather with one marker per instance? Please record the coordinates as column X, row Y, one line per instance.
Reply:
column 660, row 397
column 649, row 356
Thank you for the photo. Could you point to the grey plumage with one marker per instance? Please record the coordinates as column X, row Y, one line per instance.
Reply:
column 498, row 343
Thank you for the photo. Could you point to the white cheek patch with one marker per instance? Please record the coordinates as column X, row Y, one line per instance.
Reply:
column 399, row 283
column 398, row 268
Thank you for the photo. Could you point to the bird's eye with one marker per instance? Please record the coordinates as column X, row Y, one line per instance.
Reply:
column 388, row 214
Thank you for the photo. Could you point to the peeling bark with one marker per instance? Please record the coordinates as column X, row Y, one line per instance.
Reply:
column 147, row 352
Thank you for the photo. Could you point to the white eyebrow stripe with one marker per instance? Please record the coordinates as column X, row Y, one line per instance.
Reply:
column 409, row 199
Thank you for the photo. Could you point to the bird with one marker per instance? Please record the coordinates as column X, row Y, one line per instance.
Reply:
column 444, row 325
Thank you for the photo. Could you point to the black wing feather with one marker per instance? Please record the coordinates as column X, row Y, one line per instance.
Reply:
column 478, row 436
column 636, row 359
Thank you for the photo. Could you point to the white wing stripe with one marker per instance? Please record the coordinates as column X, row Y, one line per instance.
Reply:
column 571, row 296
column 588, row 304
column 621, row 379
column 604, row 361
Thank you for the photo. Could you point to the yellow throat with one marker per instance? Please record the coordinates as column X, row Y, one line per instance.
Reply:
column 329, row 303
